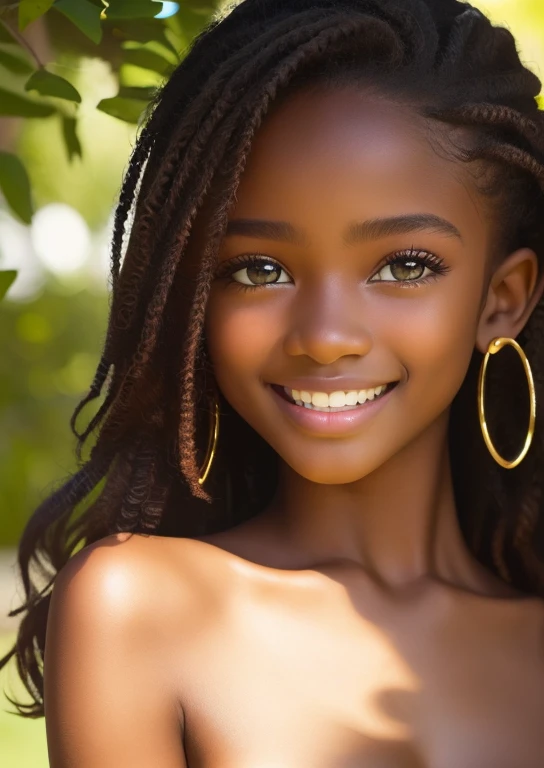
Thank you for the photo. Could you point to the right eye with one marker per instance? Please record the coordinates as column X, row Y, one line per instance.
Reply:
column 255, row 271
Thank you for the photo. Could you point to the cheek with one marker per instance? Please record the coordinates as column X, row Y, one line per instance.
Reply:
column 435, row 342
column 241, row 337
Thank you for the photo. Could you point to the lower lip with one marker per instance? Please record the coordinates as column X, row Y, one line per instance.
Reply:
column 334, row 422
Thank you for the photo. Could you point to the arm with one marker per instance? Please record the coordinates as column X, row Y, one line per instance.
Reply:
column 109, row 697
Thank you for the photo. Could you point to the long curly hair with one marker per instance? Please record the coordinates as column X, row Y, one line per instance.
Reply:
column 150, row 431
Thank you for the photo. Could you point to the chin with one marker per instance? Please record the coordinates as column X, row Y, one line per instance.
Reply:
column 332, row 471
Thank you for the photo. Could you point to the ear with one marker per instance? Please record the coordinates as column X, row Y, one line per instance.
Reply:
column 513, row 292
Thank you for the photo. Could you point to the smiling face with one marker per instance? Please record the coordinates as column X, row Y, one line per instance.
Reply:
column 356, row 256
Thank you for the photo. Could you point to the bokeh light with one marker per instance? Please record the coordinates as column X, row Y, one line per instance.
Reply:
column 61, row 238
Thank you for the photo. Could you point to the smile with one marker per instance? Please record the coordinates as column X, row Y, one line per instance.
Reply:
column 335, row 401
column 331, row 420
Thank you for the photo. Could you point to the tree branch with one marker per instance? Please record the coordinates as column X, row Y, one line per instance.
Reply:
column 22, row 42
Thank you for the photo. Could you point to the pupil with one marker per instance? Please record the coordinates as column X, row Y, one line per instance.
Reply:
column 263, row 273
column 402, row 270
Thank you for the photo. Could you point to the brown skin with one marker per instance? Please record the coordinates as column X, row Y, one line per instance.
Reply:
column 380, row 498
column 348, row 625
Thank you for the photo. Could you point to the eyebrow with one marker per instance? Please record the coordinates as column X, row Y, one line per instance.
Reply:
column 356, row 233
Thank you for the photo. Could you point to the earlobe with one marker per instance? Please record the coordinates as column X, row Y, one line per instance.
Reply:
column 514, row 290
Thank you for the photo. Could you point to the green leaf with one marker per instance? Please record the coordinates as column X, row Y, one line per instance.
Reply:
column 15, row 186
column 188, row 22
column 140, row 57
column 7, row 277
column 85, row 15
column 144, row 93
column 123, row 108
column 48, row 84
column 143, row 31
column 133, row 9
column 71, row 139
column 13, row 105
column 5, row 33
column 15, row 64
column 30, row 10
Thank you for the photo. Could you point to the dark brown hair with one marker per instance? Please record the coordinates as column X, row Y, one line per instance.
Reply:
column 150, row 432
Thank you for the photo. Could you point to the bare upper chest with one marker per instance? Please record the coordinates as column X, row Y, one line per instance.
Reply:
column 298, row 678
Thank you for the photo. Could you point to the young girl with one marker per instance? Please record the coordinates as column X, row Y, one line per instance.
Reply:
column 312, row 534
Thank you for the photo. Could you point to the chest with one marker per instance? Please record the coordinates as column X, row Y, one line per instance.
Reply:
column 282, row 689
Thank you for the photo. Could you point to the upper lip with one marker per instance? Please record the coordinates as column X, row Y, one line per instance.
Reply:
column 332, row 385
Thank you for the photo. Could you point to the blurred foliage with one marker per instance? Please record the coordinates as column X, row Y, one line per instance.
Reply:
column 7, row 277
column 141, row 41
column 23, row 743
column 52, row 346
column 76, row 77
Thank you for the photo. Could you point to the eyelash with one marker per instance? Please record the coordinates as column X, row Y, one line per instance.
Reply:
column 423, row 258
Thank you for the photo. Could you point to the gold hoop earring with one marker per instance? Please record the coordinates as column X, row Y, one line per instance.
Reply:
column 494, row 346
column 212, row 443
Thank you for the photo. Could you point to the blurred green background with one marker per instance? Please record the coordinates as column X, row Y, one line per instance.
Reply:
column 60, row 175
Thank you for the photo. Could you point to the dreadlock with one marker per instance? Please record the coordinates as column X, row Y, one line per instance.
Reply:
column 453, row 67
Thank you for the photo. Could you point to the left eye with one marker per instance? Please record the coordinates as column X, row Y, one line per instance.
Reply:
column 402, row 270
column 260, row 273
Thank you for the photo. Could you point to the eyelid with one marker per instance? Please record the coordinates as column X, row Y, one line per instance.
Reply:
column 426, row 258
column 242, row 260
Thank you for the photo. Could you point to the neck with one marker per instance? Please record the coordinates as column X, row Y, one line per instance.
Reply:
column 399, row 523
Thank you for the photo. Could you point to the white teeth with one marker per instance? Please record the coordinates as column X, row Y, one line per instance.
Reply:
column 321, row 399
column 334, row 400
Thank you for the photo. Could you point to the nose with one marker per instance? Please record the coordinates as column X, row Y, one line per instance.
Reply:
column 328, row 321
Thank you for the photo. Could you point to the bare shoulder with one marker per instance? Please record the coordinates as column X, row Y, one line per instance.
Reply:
column 142, row 581
column 120, row 614
column 129, row 573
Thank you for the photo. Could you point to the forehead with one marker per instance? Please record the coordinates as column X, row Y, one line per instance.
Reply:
column 330, row 156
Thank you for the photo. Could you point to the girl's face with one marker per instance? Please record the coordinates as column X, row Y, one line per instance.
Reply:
column 356, row 256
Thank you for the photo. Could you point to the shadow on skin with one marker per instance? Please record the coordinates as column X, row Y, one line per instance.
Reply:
column 360, row 750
